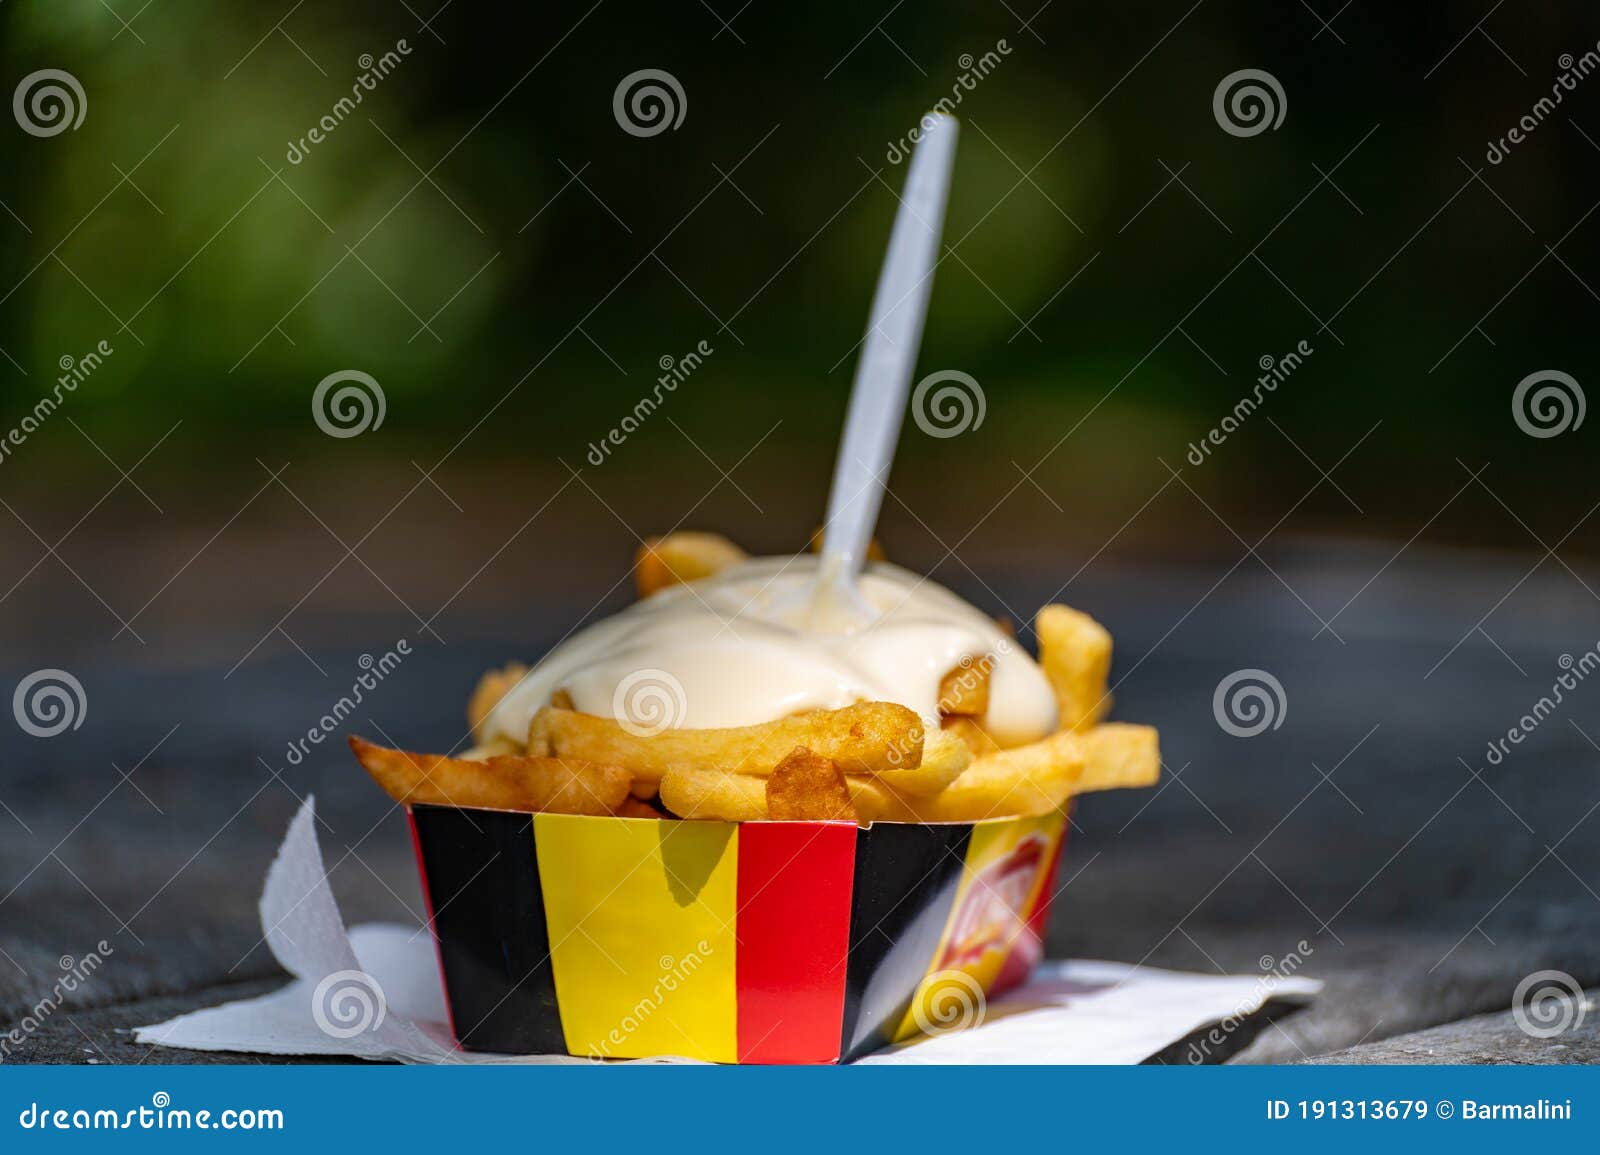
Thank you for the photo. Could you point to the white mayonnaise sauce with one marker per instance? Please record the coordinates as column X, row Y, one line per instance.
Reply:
column 735, row 650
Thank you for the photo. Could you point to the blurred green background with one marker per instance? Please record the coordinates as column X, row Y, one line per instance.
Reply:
column 483, row 238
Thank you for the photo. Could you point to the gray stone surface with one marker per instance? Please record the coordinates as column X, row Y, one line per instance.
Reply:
column 105, row 1034
column 1424, row 881
column 1481, row 1039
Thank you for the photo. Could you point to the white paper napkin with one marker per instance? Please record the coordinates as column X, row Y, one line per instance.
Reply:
column 374, row 993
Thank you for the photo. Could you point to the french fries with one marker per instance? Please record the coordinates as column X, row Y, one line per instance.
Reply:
column 977, row 739
column 493, row 686
column 493, row 748
column 964, row 691
column 875, row 802
column 724, row 796
column 867, row 738
column 944, row 757
column 1118, row 754
column 718, row 795
column 874, row 761
column 807, row 787
column 631, row 807
column 682, row 557
column 502, row 782
column 950, row 784
column 1033, row 779
column 1075, row 651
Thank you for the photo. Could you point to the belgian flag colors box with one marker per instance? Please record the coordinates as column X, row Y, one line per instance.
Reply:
column 754, row 942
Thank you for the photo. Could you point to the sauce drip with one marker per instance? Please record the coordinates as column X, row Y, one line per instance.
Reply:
column 735, row 650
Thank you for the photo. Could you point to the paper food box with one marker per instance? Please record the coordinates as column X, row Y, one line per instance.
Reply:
column 749, row 942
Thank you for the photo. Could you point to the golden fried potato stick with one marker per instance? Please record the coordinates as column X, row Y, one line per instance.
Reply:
column 807, row 787
column 1119, row 754
column 684, row 556
column 714, row 794
column 493, row 748
column 491, row 688
column 866, row 738
column 631, row 807
column 875, row 802
column 1033, row 779
column 506, row 782
column 964, row 691
column 1075, row 651
column 944, row 757
column 724, row 796
column 977, row 739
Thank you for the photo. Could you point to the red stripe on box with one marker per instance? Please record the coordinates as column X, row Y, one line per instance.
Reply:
column 794, row 885
column 427, row 906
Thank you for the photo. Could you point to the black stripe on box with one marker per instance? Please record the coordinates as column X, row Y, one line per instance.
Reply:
column 488, row 917
column 905, row 884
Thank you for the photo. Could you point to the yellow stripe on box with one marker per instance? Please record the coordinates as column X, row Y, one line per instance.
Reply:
column 641, row 915
column 989, row 912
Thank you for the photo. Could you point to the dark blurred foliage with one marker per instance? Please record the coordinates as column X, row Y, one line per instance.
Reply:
column 482, row 237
